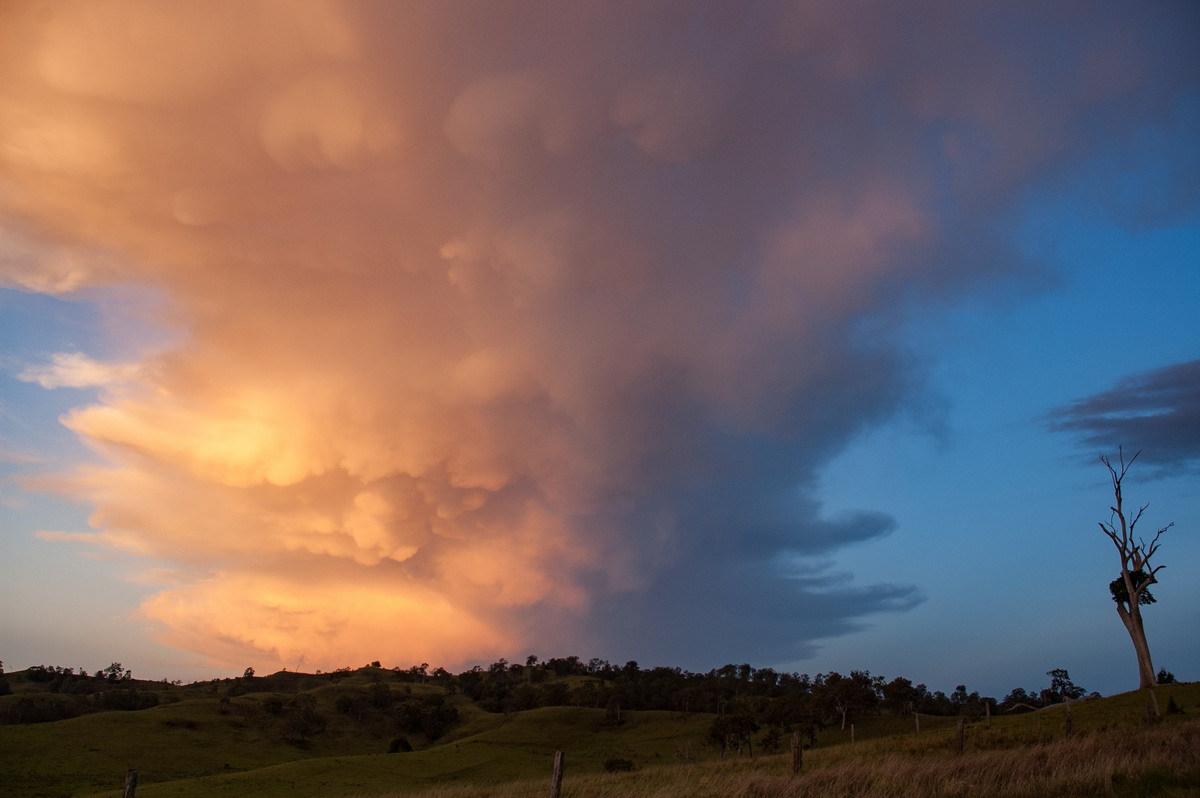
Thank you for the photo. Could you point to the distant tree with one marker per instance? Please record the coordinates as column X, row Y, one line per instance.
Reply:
column 732, row 731
column 1021, row 700
column 380, row 695
column 444, row 678
column 115, row 673
column 899, row 696
column 125, row 700
column 301, row 719
column 772, row 740
column 848, row 696
column 1166, row 677
column 1061, row 688
column 1130, row 589
column 248, row 673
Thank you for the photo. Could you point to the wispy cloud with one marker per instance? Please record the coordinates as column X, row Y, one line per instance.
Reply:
column 76, row 370
column 500, row 323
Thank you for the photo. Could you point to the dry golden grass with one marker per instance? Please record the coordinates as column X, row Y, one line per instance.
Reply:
column 1157, row 760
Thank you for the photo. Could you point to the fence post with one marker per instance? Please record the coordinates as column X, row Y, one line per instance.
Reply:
column 960, row 733
column 917, row 718
column 556, row 778
column 130, row 784
column 797, row 753
column 1068, row 718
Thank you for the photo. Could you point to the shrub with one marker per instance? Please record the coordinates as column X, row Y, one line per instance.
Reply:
column 399, row 745
column 126, row 700
column 618, row 765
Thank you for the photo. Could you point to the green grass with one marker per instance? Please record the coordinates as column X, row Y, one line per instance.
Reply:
column 516, row 748
column 201, row 745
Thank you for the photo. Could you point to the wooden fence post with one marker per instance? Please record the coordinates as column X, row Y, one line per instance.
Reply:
column 797, row 753
column 917, row 718
column 987, row 710
column 130, row 784
column 1068, row 718
column 960, row 733
column 851, row 732
column 556, row 778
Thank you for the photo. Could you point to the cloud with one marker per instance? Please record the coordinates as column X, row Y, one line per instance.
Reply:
column 1156, row 412
column 527, row 325
column 77, row 370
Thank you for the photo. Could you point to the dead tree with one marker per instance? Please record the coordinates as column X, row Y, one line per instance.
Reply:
column 1130, row 590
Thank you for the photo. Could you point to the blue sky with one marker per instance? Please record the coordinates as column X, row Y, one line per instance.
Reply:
column 998, row 514
column 682, row 336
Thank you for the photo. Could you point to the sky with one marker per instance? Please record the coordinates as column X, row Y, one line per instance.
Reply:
column 685, row 333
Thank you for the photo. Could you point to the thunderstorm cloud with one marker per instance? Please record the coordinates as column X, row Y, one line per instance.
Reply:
column 522, row 326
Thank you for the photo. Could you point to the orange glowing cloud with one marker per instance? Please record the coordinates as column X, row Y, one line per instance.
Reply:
column 482, row 318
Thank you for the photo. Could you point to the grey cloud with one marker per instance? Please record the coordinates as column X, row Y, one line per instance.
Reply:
column 1156, row 412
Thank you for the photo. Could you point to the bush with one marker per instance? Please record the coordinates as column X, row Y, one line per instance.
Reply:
column 399, row 745
column 39, row 709
column 618, row 765
column 126, row 700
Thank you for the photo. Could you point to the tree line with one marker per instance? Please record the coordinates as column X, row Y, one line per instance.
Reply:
column 745, row 700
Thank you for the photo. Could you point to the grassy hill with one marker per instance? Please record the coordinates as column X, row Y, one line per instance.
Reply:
column 234, row 738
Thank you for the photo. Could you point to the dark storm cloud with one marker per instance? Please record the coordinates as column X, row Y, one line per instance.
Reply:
column 1156, row 412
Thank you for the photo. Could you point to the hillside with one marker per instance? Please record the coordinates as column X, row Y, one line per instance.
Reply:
column 329, row 736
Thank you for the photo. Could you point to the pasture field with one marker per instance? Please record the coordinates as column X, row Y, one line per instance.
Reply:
column 199, row 741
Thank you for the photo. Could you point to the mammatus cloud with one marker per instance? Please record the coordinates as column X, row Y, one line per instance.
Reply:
column 1156, row 412
column 522, row 326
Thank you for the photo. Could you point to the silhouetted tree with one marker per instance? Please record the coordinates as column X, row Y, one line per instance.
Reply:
column 1021, row 700
column 1129, row 590
column 115, row 673
column 1061, row 688
column 899, row 696
column 733, row 731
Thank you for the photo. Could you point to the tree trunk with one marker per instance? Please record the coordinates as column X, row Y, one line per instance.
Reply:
column 1132, row 618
